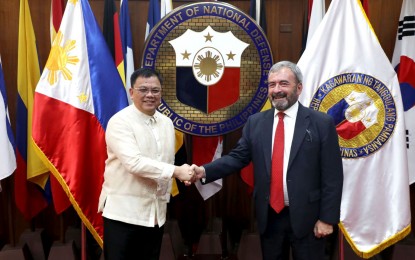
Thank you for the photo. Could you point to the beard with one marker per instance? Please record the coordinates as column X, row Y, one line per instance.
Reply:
column 284, row 100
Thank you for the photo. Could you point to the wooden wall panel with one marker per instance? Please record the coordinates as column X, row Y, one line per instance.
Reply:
column 284, row 30
column 286, row 38
column 9, row 22
column 384, row 17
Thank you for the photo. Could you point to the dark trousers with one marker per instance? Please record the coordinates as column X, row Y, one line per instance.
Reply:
column 124, row 241
column 279, row 235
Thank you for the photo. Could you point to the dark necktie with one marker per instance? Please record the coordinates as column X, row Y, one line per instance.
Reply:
column 277, row 189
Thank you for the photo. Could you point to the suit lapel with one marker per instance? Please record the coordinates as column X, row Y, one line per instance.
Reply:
column 301, row 124
column 266, row 137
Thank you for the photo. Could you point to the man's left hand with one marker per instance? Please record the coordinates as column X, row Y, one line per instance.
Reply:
column 322, row 229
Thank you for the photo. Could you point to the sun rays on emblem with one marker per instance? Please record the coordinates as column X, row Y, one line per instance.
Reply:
column 59, row 59
column 208, row 66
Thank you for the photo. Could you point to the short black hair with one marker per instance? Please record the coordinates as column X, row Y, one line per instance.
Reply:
column 145, row 73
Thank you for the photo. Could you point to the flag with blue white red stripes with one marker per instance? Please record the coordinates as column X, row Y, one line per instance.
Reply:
column 154, row 15
column 7, row 144
column 127, row 42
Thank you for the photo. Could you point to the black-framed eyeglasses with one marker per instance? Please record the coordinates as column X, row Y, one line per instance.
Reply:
column 145, row 91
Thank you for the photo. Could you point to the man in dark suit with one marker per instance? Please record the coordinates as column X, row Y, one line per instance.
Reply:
column 298, row 187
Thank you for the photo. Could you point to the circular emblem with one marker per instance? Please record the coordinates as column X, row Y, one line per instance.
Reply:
column 363, row 110
column 208, row 66
column 214, row 60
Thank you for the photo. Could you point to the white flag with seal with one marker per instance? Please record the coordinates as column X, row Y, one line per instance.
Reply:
column 348, row 76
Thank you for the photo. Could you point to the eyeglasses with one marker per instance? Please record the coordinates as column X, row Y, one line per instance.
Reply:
column 145, row 91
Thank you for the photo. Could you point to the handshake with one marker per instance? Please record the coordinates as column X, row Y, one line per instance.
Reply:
column 189, row 173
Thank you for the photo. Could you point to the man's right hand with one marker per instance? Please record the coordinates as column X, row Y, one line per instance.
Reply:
column 199, row 172
column 183, row 173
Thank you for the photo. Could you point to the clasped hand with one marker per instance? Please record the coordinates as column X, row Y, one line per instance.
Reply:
column 188, row 174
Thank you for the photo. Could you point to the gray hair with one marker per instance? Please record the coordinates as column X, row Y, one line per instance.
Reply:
column 288, row 64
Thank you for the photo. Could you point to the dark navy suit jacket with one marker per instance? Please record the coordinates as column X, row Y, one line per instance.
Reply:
column 314, row 174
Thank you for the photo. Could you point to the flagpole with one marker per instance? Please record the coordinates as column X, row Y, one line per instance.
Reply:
column 61, row 229
column 224, row 235
column 83, row 241
column 10, row 214
column 341, row 248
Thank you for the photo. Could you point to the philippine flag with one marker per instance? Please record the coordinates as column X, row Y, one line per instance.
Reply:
column 78, row 92
column 208, row 68
column 353, row 114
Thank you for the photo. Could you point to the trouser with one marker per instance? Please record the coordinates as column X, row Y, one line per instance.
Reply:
column 124, row 241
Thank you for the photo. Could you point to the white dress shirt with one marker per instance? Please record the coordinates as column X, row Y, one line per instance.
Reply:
column 289, row 124
column 139, row 168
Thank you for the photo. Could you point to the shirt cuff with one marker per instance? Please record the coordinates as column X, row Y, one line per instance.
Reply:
column 164, row 180
column 204, row 175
